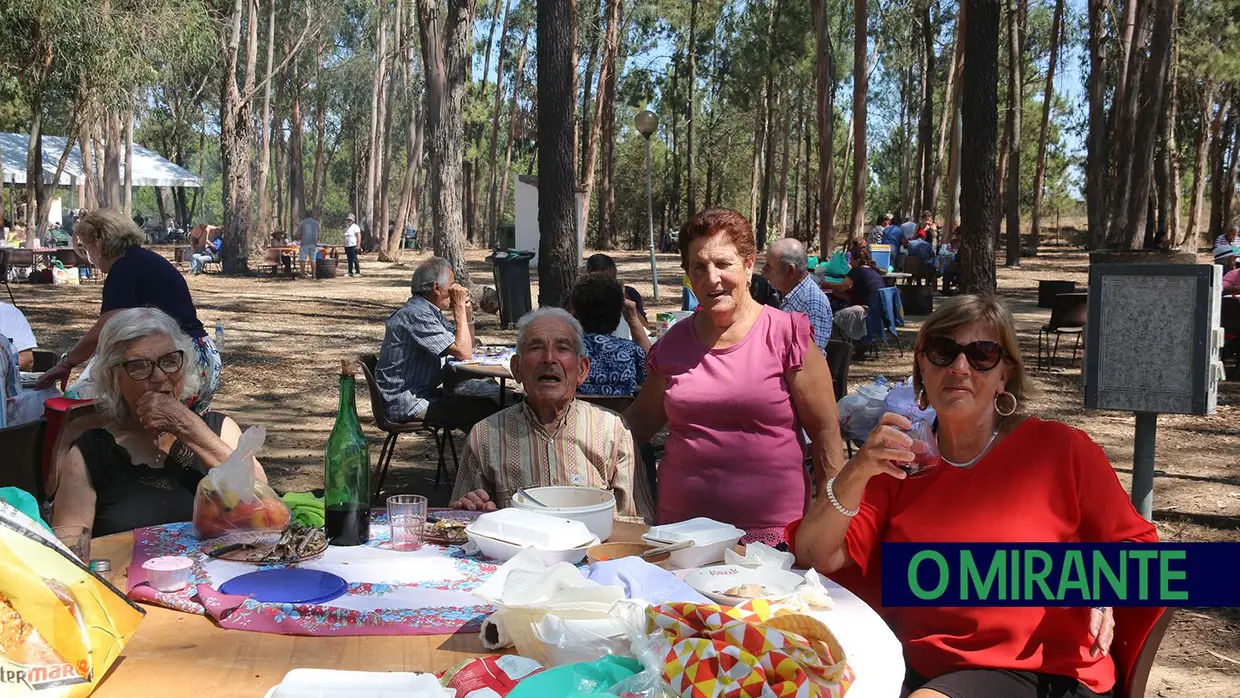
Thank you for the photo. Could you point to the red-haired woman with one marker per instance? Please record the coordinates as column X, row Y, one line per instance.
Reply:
column 735, row 385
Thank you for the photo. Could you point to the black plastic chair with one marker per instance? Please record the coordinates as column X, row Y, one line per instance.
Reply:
column 1068, row 315
column 442, row 435
column 22, row 467
column 839, row 359
column 43, row 360
column 1229, row 318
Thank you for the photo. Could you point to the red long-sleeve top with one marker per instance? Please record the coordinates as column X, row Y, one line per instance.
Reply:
column 1046, row 482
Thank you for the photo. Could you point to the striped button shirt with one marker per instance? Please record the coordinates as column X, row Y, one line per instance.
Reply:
column 589, row 447
column 410, row 367
column 808, row 298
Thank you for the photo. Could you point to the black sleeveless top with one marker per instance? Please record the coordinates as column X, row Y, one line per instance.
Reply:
column 129, row 496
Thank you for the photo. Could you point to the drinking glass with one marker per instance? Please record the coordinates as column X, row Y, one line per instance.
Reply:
column 76, row 539
column 407, row 516
column 924, row 446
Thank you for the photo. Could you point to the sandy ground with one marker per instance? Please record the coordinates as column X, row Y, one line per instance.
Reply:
column 284, row 339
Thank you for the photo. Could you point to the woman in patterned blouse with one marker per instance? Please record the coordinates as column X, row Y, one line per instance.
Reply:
column 617, row 365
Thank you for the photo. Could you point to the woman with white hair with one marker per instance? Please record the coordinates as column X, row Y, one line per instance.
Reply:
column 137, row 277
column 142, row 468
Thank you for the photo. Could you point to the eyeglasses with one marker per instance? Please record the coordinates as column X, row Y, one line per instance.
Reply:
column 141, row 369
column 982, row 355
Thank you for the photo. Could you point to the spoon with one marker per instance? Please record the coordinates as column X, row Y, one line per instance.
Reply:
column 674, row 547
column 521, row 491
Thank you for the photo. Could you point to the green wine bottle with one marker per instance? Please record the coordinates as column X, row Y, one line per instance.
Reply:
column 346, row 476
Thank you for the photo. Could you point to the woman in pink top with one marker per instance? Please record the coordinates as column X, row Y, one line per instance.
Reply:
column 735, row 385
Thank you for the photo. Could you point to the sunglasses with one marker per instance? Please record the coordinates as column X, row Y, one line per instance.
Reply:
column 141, row 369
column 982, row 355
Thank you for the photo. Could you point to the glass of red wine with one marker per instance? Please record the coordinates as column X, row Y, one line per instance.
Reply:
column 925, row 447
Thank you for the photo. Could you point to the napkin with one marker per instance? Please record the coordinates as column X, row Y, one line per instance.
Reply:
column 759, row 555
column 329, row 683
column 307, row 509
column 643, row 581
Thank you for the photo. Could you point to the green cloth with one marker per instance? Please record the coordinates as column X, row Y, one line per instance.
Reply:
column 307, row 509
column 24, row 502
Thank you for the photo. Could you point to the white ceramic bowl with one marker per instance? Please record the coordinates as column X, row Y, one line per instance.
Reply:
column 594, row 507
column 504, row 551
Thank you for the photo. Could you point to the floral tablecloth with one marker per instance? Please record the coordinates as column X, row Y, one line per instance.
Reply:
column 426, row 592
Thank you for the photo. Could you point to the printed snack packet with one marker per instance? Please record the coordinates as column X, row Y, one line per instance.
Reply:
column 489, row 677
column 61, row 625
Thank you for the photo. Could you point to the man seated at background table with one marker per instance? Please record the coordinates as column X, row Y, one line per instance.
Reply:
column 13, row 324
column 210, row 253
column 410, row 366
column 552, row 438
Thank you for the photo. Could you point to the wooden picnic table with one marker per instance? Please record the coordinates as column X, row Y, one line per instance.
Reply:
column 184, row 654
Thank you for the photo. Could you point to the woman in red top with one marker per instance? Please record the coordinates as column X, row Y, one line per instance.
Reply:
column 1004, row 478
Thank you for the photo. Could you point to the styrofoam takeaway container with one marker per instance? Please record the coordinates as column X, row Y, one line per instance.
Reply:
column 592, row 506
column 527, row 528
column 710, row 538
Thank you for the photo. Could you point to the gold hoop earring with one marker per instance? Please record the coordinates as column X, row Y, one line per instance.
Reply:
column 923, row 403
column 1009, row 412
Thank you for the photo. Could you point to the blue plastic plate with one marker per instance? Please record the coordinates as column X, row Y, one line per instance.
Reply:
column 289, row 585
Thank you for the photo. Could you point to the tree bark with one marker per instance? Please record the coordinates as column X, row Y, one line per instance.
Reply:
column 1224, row 123
column 264, row 158
column 979, row 203
column 411, row 187
column 1048, row 98
column 517, row 79
column 1227, row 183
column 824, row 83
column 446, row 31
column 128, row 178
column 860, row 91
column 759, row 144
column 927, row 112
column 1129, row 232
column 610, row 47
column 236, row 140
column 557, row 177
column 690, row 110
column 607, row 197
column 296, row 161
column 113, row 149
column 1201, row 162
column 494, row 144
column 1097, row 157
column 369, row 225
column 1016, row 94
column 319, row 177
column 782, row 194
column 950, row 105
column 385, row 172
column 1124, row 152
column 1171, row 152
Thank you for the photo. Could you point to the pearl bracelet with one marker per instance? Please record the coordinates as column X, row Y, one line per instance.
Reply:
column 836, row 503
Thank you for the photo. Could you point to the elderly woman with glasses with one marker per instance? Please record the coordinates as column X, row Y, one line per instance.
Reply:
column 142, row 468
column 137, row 277
column 1002, row 477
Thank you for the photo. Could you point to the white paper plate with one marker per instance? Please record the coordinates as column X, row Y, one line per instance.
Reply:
column 713, row 582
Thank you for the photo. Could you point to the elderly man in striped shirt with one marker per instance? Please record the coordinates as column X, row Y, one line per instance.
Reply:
column 787, row 268
column 551, row 438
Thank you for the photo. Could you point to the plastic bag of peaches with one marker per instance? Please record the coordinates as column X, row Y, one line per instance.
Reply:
column 230, row 498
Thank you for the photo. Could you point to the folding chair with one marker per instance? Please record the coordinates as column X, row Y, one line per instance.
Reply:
column 1068, row 316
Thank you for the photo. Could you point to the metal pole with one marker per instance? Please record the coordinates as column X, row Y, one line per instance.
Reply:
column 654, row 270
column 1143, row 464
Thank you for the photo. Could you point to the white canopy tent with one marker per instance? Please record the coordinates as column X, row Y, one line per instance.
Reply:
column 149, row 169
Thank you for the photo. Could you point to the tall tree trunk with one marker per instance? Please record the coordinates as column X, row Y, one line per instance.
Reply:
column 385, row 178
column 474, row 220
column 584, row 112
column 518, row 78
column 1227, row 183
column 950, row 105
column 319, row 177
column 446, row 31
column 1201, row 162
column 905, row 142
column 379, row 232
column 296, row 161
column 280, row 153
column 1125, row 152
column 610, row 47
column 1123, row 71
column 927, row 112
column 369, row 226
column 824, row 83
column 407, row 210
column 690, row 111
column 770, row 105
column 558, row 259
column 88, row 167
column 793, row 142
column 112, row 154
column 979, row 203
column 129, row 158
column 1171, row 151
column 607, row 196
column 759, row 141
column 1224, row 124
column 491, row 222
column 264, row 158
column 1129, row 233
column 236, row 140
column 1098, row 145
column 1048, row 99
column 860, row 91
column 1016, row 103
column 782, row 193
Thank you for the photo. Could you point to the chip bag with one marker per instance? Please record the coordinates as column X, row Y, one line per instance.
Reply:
column 230, row 498
column 61, row 626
